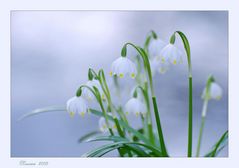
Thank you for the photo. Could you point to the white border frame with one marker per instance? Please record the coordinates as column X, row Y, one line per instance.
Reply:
column 8, row 5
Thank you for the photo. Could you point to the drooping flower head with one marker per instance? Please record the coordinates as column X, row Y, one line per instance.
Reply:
column 157, row 65
column 135, row 106
column 214, row 92
column 86, row 93
column 155, row 47
column 122, row 67
column 76, row 105
column 170, row 54
column 103, row 126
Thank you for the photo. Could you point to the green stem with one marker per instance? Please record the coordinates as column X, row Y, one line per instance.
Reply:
column 190, row 119
column 145, row 93
column 160, row 132
column 200, row 137
column 106, row 91
column 204, row 111
column 150, row 132
column 190, row 97
column 145, row 58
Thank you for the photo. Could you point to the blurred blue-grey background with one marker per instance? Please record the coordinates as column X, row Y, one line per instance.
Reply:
column 51, row 52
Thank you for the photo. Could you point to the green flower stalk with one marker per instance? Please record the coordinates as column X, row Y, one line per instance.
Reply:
column 103, row 84
column 101, row 78
column 212, row 91
column 144, row 91
column 96, row 93
column 147, row 67
column 174, row 60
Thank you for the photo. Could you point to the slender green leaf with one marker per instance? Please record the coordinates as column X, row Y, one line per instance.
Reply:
column 43, row 110
column 126, row 126
column 87, row 136
column 126, row 142
column 117, row 145
column 221, row 143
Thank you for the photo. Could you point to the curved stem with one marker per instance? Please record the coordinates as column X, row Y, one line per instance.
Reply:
column 204, row 112
column 98, row 98
column 148, row 119
column 151, row 35
column 190, row 96
column 145, row 58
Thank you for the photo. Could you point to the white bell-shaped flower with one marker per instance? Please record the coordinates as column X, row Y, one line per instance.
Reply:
column 103, row 126
column 155, row 47
column 76, row 105
column 123, row 66
column 86, row 93
column 170, row 54
column 215, row 92
column 157, row 65
column 135, row 106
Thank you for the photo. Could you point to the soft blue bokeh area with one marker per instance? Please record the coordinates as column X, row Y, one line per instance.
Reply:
column 51, row 52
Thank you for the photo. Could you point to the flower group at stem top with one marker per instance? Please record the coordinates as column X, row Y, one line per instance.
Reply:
column 155, row 56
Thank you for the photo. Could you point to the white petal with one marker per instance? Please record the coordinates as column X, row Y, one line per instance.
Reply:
column 77, row 105
column 155, row 47
column 86, row 93
column 135, row 106
column 103, row 126
column 215, row 91
column 123, row 66
column 171, row 54
column 154, row 65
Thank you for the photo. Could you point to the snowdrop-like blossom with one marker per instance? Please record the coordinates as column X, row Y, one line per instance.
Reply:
column 155, row 47
column 103, row 126
column 170, row 54
column 76, row 105
column 157, row 65
column 215, row 92
column 135, row 106
column 86, row 93
column 123, row 66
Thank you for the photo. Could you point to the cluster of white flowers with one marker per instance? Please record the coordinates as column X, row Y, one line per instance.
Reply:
column 161, row 56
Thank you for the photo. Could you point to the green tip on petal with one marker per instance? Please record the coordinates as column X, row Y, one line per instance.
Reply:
column 174, row 62
column 72, row 114
column 103, row 97
column 111, row 73
column 133, row 75
column 121, row 75
column 137, row 114
column 82, row 114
